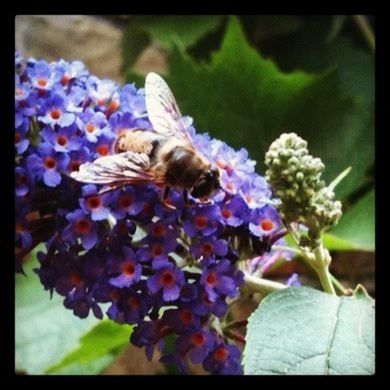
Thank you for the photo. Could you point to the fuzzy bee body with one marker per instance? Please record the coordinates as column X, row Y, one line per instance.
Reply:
column 163, row 155
column 170, row 158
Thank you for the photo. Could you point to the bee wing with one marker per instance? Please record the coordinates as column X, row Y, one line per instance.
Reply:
column 163, row 111
column 126, row 167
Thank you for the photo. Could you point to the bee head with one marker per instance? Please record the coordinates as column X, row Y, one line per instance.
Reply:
column 207, row 183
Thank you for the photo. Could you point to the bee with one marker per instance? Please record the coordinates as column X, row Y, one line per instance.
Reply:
column 164, row 155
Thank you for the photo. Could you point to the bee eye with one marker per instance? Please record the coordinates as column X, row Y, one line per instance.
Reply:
column 207, row 184
column 202, row 188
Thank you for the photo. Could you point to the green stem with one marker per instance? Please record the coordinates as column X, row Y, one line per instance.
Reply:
column 293, row 233
column 261, row 285
column 286, row 248
column 339, row 286
column 318, row 259
column 234, row 335
column 325, row 279
column 236, row 324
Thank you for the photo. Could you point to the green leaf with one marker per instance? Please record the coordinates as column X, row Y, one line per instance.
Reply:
column 93, row 367
column 100, row 342
column 302, row 331
column 361, row 293
column 260, row 27
column 183, row 29
column 310, row 49
column 44, row 330
column 335, row 243
column 331, row 242
column 357, row 225
column 134, row 41
column 167, row 30
column 245, row 100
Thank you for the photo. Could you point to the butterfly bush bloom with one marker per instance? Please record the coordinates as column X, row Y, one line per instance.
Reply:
column 169, row 268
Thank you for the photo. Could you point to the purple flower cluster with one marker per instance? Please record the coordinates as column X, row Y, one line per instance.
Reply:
column 167, row 270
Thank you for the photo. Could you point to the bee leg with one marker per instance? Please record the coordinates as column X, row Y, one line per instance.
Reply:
column 187, row 202
column 185, row 196
column 205, row 201
column 166, row 192
column 111, row 187
column 164, row 200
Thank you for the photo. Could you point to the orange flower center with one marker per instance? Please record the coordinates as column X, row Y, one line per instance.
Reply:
column 21, row 180
column 42, row 82
column 167, row 279
column 125, row 201
column 82, row 226
column 248, row 198
column 197, row 339
column 221, row 164
column 201, row 221
column 55, row 114
column 74, row 165
column 226, row 213
column 75, row 279
column 220, row 354
column 102, row 150
column 62, row 140
column 266, row 224
column 158, row 231
column 122, row 228
column 133, row 303
column 114, row 295
column 89, row 127
column 49, row 162
column 185, row 316
column 157, row 250
column 65, row 79
column 211, row 278
column 19, row 228
column 94, row 202
column 112, row 107
column 128, row 269
column 207, row 249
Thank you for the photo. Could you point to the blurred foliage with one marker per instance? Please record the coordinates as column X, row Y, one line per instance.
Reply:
column 321, row 88
column 358, row 224
column 165, row 30
column 44, row 330
column 336, row 243
column 47, row 334
column 96, row 350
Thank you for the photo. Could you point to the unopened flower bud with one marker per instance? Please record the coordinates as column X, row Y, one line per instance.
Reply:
column 295, row 178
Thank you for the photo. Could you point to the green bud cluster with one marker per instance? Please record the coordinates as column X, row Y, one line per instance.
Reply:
column 295, row 178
